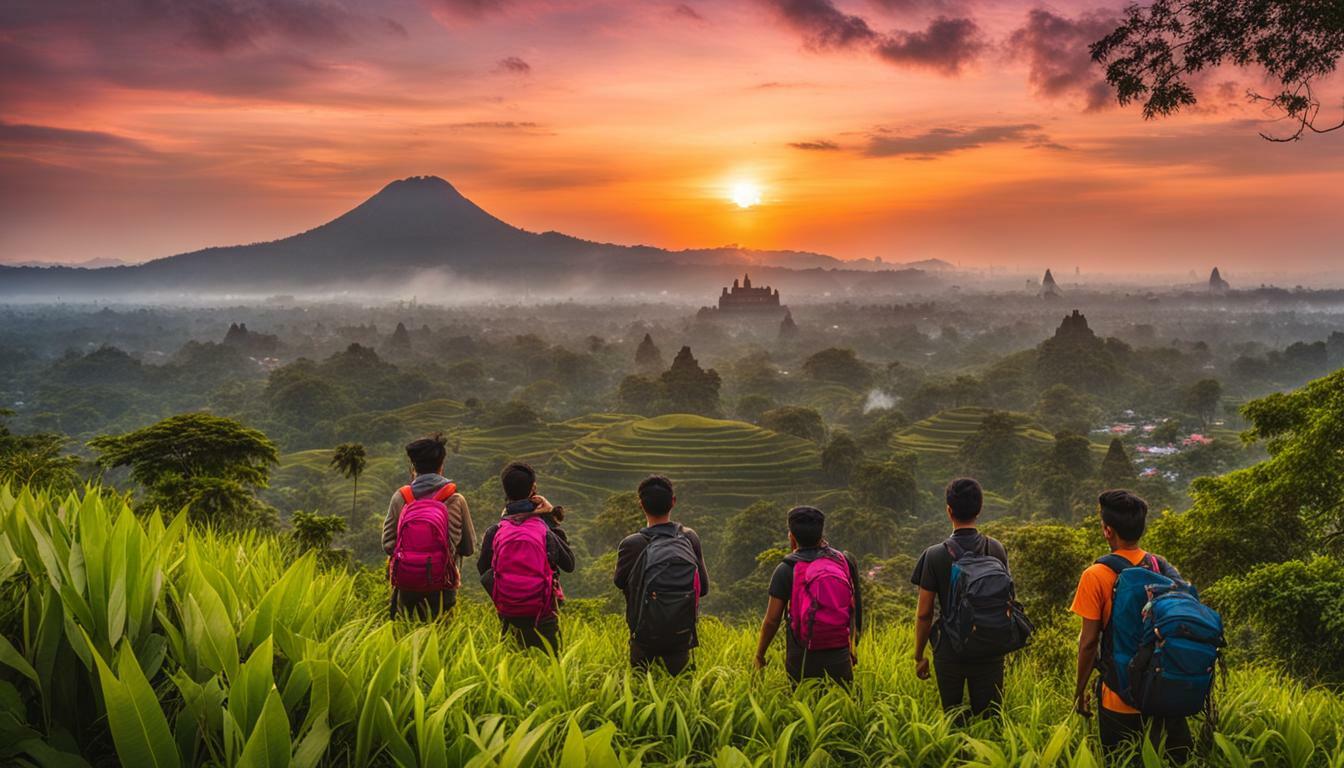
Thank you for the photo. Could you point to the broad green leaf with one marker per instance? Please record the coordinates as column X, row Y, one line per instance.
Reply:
column 139, row 729
column 268, row 746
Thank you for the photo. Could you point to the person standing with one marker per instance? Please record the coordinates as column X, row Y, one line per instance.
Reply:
column 521, row 557
column 661, row 569
column 426, row 532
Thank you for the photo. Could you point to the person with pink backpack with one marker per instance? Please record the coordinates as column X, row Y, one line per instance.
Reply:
column 426, row 533
column 521, row 556
column 816, row 592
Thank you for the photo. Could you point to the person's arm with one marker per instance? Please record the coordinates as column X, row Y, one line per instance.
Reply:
column 700, row 561
column 923, row 627
column 466, row 544
column 390, row 523
column 627, row 553
column 1088, row 640
column 485, row 560
column 774, row 612
column 557, row 548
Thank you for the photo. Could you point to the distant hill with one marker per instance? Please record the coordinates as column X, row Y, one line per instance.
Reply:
column 413, row 227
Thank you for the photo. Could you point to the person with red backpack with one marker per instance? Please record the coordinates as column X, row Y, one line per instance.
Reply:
column 816, row 591
column 521, row 557
column 426, row 533
column 661, row 570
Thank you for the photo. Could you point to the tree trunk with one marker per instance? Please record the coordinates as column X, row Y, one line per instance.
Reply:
column 354, row 502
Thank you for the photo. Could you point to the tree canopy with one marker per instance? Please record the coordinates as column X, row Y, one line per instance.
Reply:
column 1160, row 47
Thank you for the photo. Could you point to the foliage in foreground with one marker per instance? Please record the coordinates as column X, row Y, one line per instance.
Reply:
column 167, row 646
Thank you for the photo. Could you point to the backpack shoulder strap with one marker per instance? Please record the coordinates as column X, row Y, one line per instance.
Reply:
column 407, row 495
column 446, row 492
column 954, row 548
column 1115, row 562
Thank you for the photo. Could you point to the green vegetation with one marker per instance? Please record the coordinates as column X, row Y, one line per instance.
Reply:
column 170, row 646
column 945, row 432
column 723, row 461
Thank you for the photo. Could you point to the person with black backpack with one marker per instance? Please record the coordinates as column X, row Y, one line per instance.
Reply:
column 1145, row 631
column 979, row 619
column 661, row 570
column 816, row 592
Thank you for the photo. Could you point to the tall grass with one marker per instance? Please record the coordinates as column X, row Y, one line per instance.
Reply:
column 151, row 644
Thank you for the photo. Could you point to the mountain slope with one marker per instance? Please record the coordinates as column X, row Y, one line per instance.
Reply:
column 412, row 227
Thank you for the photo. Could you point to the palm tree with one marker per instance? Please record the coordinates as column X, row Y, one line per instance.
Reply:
column 349, row 461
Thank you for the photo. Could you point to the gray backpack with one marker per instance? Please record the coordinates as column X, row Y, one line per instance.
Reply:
column 667, row 593
column 984, row 619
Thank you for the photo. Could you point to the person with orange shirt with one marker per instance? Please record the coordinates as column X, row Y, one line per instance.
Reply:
column 1123, row 519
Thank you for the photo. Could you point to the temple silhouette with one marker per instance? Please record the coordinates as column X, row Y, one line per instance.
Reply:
column 743, row 299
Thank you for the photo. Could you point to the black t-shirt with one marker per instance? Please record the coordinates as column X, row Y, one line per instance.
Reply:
column 781, row 586
column 627, row 558
column 933, row 571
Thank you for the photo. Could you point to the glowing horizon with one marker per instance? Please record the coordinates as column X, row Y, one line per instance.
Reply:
column 968, row 131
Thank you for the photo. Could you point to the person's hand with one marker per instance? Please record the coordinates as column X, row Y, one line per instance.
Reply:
column 1082, row 703
column 922, row 668
column 759, row 662
column 853, row 658
column 543, row 506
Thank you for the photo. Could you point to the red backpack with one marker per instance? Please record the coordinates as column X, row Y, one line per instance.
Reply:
column 822, row 603
column 524, row 582
column 424, row 559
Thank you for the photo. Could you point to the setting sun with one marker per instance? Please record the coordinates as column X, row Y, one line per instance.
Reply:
column 746, row 194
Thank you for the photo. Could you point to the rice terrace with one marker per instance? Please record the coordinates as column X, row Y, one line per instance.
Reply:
column 733, row 384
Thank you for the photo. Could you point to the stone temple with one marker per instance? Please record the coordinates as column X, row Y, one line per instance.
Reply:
column 745, row 298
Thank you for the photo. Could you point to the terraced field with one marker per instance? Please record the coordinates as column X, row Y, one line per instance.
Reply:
column 430, row 416
column 944, row 432
column 713, row 460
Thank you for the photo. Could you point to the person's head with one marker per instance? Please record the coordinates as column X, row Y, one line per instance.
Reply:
column 806, row 525
column 428, row 454
column 519, row 481
column 1123, row 516
column 656, row 497
column 964, row 500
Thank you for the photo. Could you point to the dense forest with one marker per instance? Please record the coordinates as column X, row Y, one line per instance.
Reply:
column 192, row 504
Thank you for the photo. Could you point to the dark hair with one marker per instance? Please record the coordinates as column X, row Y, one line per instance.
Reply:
column 428, row 453
column 806, row 525
column 656, row 494
column 1125, row 513
column 965, row 498
column 518, row 479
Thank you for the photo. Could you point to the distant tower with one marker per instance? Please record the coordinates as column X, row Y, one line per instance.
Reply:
column 1049, row 288
column 787, row 328
column 1216, row 282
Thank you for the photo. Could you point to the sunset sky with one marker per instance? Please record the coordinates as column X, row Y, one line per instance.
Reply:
column 970, row 130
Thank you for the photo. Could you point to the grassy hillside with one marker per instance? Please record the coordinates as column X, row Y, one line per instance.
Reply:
column 944, row 432
column 716, row 460
column 177, row 647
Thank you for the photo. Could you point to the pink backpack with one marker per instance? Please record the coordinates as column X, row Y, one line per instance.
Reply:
column 424, row 560
column 524, row 582
column 822, row 602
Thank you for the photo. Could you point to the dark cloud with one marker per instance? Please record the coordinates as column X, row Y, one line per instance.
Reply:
column 513, row 65
column 684, row 11
column 468, row 8
column 18, row 135
column 820, row 145
column 914, row 6
column 822, row 25
column 943, row 141
column 236, row 47
column 948, row 45
column 1056, row 51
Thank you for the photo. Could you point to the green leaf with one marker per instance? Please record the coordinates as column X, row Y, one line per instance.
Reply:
column 573, row 755
column 268, row 746
column 139, row 729
column 10, row 657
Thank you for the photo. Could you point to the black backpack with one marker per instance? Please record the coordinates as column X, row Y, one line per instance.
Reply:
column 984, row 619
column 667, row 593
